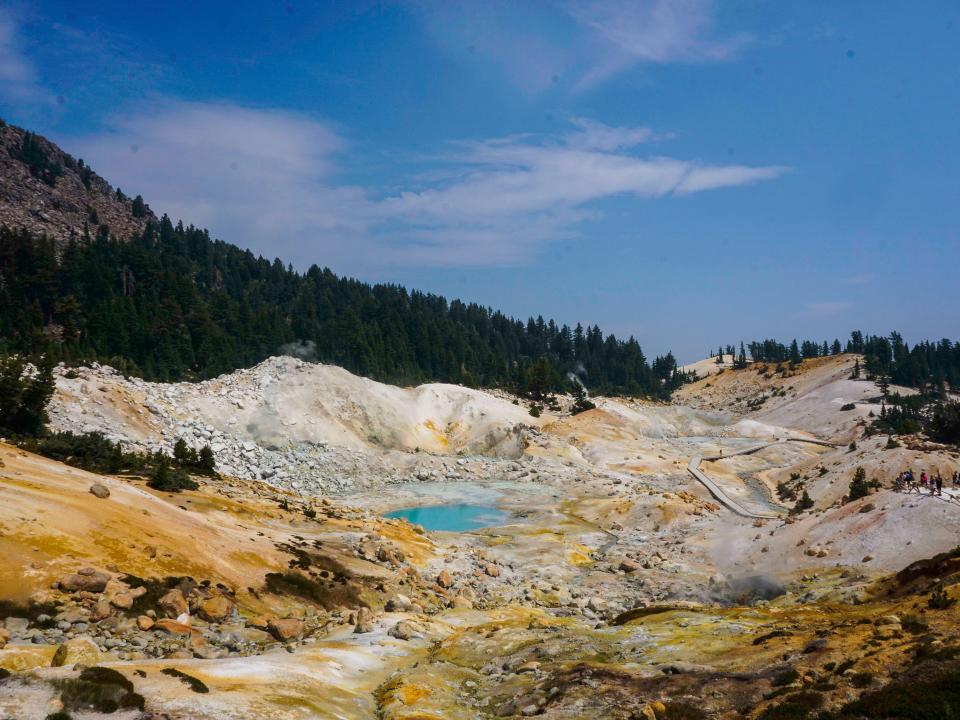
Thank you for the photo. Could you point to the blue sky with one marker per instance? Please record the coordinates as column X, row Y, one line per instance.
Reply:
column 686, row 171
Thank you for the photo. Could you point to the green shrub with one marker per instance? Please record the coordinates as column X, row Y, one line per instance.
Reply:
column 804, row 503
column 197, row 685
column 939, row 600
column 914, row 699
column 169, row 479
column 798, row 706
column 787, row 677
column 99, row 689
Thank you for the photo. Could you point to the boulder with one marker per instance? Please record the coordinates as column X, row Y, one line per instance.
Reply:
column 445, row 580
column 285, row 629
column 145, row 623
column 172, row 627
column 79, row 650
column 100, row 491
column 123, row 600
column 492, row 570
column 173, row 604
column 364, row 622
column 4, row 637
column 215, row 609
column 629, row 566
column 87, row 579
column 101, row 611
column 402, row 630
column 17, row 624
column 461, row 602
column 597, row 604
column 398, row 602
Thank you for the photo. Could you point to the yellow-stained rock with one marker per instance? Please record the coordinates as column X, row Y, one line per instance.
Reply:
column 79, row 650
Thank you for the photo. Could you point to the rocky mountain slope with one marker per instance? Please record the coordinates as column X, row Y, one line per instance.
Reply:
column 47, row 191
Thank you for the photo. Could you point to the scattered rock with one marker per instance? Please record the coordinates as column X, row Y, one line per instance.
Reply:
column 445, row 580
column 100, row 491
column 5, row 637
column 629, row 566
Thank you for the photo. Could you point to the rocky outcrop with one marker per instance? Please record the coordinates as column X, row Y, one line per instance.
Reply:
column 47, row 191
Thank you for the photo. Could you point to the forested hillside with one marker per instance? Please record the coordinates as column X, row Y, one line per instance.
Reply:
column 888, row 359
column 171, row 303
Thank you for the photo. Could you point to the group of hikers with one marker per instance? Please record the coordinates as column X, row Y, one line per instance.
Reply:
column 906, row 482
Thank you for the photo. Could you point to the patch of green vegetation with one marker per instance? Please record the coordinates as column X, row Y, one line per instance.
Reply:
column 197, row 685
column 798, row 706
column 844, row 666
column 31, row 610
column 770, row 635
column 681, row 711
column 913, row 699
column 939, row 600
column 785, row 678
column 328, row 594
column 862, row 679
column 100, row 689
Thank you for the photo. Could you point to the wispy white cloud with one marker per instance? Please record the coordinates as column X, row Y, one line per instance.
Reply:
column 259, row 178
column 19, row 82
column 577, row 44
column 269, row 180
column 522, row 191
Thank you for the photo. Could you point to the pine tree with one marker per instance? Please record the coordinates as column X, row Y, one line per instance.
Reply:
column 206, row 463
column 858, row 485
column 794, row 353
column 805, row 502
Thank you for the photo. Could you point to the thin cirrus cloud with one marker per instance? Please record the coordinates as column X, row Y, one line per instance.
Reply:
column 577, row 44
column 268, row 180
column 826, row 308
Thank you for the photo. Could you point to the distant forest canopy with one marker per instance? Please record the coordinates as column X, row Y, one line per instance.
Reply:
column 172, row 304
column 927, row 365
